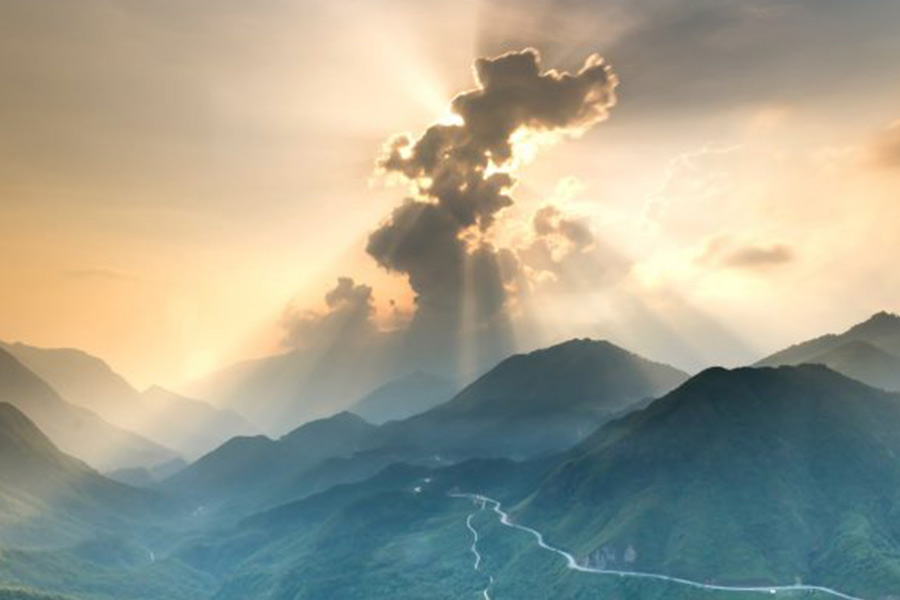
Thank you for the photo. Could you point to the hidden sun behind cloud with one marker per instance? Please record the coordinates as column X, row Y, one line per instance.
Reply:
column 460, row 175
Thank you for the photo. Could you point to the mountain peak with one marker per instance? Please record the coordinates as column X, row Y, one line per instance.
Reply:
column 869, row 352
column 879, row 322
column 581, row 344
column 344, row 423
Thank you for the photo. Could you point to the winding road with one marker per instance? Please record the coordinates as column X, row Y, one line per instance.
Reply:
column 573, row 564
column 486, row 592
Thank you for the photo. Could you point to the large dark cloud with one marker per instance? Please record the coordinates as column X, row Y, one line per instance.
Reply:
column 439, row 238
column 682, row 56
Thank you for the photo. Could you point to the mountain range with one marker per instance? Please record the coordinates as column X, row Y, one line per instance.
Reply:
column 744, row 477
column 50, row 498
column 868, row 351
column 686, row 488
column 252, row 471
column 536, row 403
column 528, row 405
column 189, row 426
column 77, row 430
column 278, row 393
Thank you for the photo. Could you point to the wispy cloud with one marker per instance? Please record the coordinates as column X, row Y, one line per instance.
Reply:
column 99, row 273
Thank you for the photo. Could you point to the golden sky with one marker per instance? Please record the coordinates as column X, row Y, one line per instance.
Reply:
column 173, row 175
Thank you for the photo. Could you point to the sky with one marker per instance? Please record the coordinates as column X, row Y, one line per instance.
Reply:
column 187, row 184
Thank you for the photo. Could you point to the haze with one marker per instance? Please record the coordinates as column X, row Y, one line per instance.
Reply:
column 179, row 185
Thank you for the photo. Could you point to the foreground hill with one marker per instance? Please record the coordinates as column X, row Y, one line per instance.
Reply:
column 187, row 425
column 76, row 430
column 404, row 397
column 537, row 403
column 869, row 352
column 751, row 476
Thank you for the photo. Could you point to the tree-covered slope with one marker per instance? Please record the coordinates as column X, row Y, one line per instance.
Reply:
column 746, row 476
column 537, row 403
column 50, row 499
column 248, row 472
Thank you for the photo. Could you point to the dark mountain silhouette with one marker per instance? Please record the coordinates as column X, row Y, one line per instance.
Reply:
column 869, row 352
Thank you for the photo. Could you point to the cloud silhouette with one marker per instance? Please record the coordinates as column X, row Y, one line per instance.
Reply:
column 462, row 181
column 441, row 236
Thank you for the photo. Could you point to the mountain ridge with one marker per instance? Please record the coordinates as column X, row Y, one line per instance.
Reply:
column 868, row 351
column 76, row 429
column 743, row 476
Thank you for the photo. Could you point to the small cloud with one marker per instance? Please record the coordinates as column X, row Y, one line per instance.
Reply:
column 885, row 149
column 696, row 177
column 724, row 252
column 348, row 318
column 98, row 274
column 564, row 253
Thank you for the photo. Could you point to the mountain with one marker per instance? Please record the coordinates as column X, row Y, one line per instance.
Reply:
column 868, row 351
column 82, row 379
column 537, row 403
column 190, row 426
column 746, row 477
column 76, row 430
column 50, row 498
column 147, row 477
column 399, row 534
column 280, row 392
column 404, row 397
column 257, row 468
column 66, row 529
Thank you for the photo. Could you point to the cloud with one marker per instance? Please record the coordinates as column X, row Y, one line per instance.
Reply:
column 99, row 273
column 694, row 57
column 440, row 238
column 724, row 252
column 349, row 314
column 565, row 254
column 443, row 236
column 885, row 151
column 695, row 177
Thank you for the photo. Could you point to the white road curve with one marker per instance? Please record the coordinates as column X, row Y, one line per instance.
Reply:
column 474, row 546
column 575, row 566
column 486, row 592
